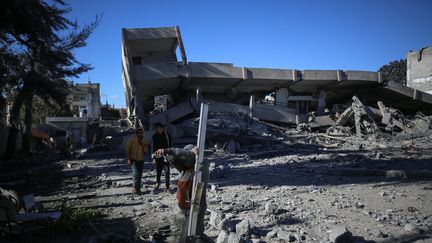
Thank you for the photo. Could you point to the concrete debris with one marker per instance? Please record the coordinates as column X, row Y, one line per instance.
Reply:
column 340, row 234
column 410, row 227
column 243, row 228
column 286, row 236
column 270, row 208
column 234, row 238
column 216, row 218
column 222, row 237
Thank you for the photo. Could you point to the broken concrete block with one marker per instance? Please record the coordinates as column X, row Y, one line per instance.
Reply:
column 243, row 228
column 378, row 233
column 410, row 227
column 340, row 234
column 271, row 234
column 234, row 238
column 222, row 237
column 215, row 218
column 286, row 236
column 270, row 208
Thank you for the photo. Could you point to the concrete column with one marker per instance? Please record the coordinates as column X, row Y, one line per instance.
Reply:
column 139, row 109
column 198, row 97
column 321, row 103
column 281, row 96
column 251, row 105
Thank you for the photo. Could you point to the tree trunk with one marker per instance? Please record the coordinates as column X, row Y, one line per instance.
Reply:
column 28, row 120
column 15, row 122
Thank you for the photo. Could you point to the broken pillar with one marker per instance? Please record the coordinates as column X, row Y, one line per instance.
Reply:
column 251, row 105
column 321, row 103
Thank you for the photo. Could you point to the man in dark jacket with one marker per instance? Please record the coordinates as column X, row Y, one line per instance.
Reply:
column 161, row 140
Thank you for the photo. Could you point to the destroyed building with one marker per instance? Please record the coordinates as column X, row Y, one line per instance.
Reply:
column 151, row 68
column 419, row 69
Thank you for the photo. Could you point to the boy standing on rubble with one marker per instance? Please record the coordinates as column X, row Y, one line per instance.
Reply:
column 136, row 148
column 161, row 140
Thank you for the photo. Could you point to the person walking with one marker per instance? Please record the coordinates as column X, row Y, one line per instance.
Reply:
column 161, row 140
column 136, row 148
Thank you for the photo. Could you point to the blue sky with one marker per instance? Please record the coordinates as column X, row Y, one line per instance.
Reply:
column 310, row 34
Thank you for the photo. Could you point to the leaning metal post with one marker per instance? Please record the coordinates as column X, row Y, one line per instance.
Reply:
column 198, row 181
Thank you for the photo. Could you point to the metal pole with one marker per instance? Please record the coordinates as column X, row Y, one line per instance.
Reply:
column 198, row 183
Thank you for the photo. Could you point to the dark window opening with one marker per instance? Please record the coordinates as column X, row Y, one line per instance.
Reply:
column 136, row 60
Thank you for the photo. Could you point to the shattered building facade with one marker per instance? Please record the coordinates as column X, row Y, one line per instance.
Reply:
column 151, row 68
column 419, row 69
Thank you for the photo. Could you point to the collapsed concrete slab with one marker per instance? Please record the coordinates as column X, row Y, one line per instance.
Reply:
column 151, row 68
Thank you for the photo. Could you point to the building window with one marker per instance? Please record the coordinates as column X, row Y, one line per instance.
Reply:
column 136, row 60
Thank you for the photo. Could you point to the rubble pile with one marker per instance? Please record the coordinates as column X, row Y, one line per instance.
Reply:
column 234, row 132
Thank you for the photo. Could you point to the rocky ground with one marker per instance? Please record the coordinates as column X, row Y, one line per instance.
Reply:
column 307, row 192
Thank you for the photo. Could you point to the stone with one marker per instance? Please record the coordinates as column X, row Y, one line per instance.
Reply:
column 227, row 225
column 215, row 218
column 234, row 238
column 222, row 237
column 270, row 208
column 410, row 227
column 271, row 234
column 286, row 236
column 243, row 228
column 377, row 233
column 340, row 234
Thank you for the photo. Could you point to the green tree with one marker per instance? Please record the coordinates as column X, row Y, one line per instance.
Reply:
column 43, row 40
column 395, row 71
column 107, row 112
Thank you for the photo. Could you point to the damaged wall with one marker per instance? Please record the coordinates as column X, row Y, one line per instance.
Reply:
column 419, row 69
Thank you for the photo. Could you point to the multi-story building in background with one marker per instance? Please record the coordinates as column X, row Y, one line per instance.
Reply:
column 419, row 69
column 85, row 100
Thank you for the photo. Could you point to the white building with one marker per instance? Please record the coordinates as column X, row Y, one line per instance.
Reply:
column 419, row 69
column 85, row 100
